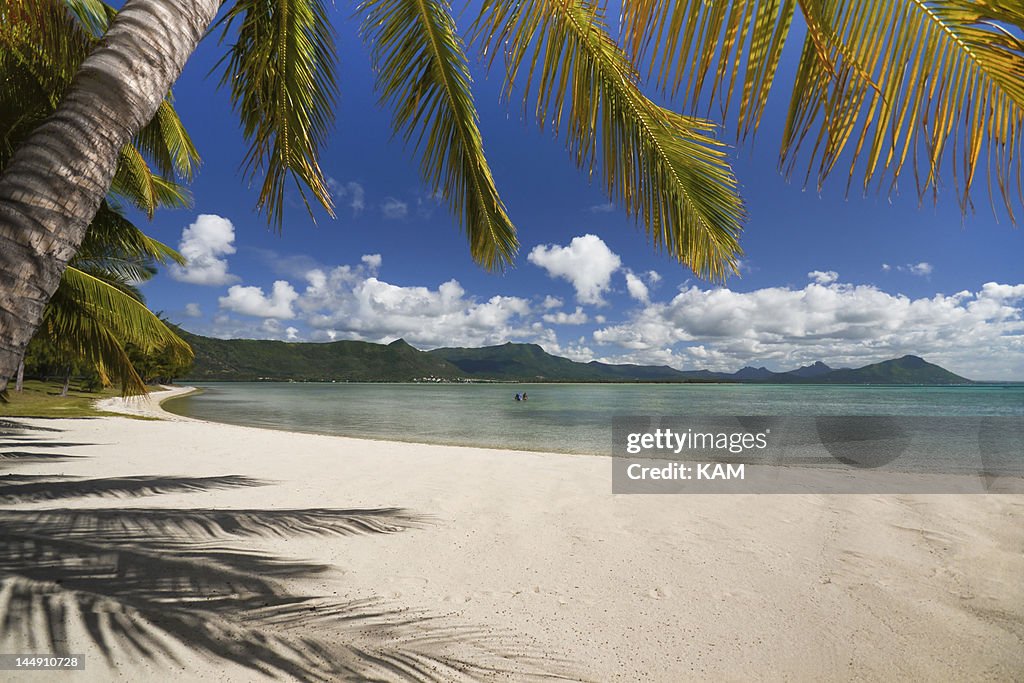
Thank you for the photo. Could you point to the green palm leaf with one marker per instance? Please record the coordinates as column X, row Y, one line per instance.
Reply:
column 42, row 38
column 423, row 75
column 111, row 233
column 280, row 70
column 165, row 141
column 93, row 320
column 146, row 190
column 936, row 83
column 664, row 168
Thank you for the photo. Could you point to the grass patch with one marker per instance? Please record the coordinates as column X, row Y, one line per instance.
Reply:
column 43, row 399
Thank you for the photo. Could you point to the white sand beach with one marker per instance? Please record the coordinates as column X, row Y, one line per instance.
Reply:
column 498, row 565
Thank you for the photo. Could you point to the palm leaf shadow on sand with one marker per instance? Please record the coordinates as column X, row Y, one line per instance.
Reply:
column 153, row 583
column 53, row 488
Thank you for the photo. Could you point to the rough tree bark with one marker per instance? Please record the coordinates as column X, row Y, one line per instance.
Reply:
column 55, row 181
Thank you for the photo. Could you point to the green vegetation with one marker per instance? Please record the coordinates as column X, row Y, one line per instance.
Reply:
column 355, row 361
column 258, row 359
column 43, row 399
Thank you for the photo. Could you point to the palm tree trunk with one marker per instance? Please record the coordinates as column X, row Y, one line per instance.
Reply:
column 67, row 381
column 55, row 181
column 20, row 381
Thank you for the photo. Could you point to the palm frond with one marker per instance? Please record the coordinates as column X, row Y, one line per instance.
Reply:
column 94, row 15
column 68, row 326
column 24, row 104
column 280, row 70
column 112, row 235
column 146, row 190
column 130, row 319
column 665, row 169
column 685, row 41
column 423, row 76
column 93, row 320
column 123, row 273
column 165, row 141
column 44, row 38
column 936, row 85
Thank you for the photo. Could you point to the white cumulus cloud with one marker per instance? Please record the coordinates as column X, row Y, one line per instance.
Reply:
column 204, row 244
column 372, row 261
column 587, row 263
column 252, row 301
column 193, row 311
column 823, row 277
column 563, row 318
column 551, row 302
column 636, row 288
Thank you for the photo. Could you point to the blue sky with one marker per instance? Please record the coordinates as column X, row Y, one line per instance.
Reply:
column 845, row 280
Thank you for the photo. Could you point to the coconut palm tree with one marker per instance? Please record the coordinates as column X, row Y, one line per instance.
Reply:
column 97, row 309
column 935, row 82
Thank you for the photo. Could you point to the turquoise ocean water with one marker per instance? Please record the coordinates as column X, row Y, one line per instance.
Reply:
column 570, row 418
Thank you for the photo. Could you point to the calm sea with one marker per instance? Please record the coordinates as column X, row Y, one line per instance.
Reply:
column 571, row 418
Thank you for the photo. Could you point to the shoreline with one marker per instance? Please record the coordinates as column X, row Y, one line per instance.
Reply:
column 520, row 561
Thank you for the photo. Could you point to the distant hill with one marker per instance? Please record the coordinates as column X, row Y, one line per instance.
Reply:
column 755, row 374
column 529, row 362
column 905, row 370
column 262, row 359
column 816, row 369
column 354, row 361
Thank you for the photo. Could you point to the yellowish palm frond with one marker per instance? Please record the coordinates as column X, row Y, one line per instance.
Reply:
column 166, row 141
column 665, row 169
column 280, row 71
column 135, row 181
column 705, row 44
column 423, row 75
column 881, row 85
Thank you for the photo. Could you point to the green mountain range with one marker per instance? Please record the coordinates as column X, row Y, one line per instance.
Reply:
column 355, row 361
column 352, row 361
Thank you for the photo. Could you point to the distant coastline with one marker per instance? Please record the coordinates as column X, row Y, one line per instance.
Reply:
column 252, row 360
